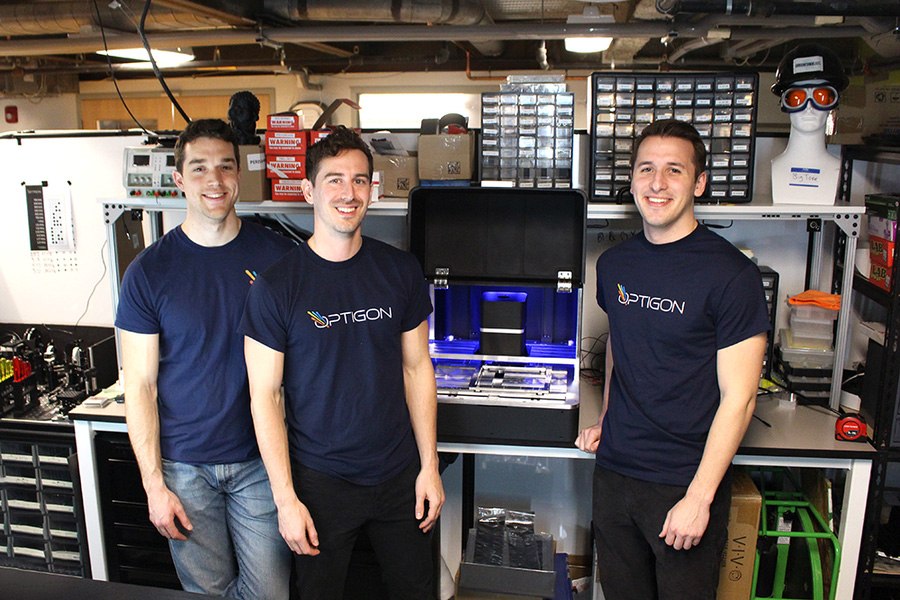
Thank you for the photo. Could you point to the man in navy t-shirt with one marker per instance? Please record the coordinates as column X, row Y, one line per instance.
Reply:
column 187, row 401
column 688, row 324
column 352, row 445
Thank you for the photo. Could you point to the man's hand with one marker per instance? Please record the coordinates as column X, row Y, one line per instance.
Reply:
column 589, row 438
column 166, row 512
column 430, row 488
column 296, row 527
column 686, row 523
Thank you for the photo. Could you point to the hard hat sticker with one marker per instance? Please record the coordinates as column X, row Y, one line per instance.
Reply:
column 809, row 64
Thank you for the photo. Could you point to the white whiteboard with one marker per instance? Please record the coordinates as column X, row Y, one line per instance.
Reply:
column 54, row 286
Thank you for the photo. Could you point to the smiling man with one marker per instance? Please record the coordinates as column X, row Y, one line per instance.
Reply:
column 688, row 322
column 352, row 445
column 187, row 401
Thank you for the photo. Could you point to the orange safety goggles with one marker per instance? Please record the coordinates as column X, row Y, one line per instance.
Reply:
column 795, row 99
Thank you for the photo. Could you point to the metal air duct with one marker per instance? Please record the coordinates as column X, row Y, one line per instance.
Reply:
column 435, row 12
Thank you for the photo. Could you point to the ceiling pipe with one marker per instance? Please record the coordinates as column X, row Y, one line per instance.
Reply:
column 411, row 33
column 748, row 50
column 53, row 18
column 694, row 45
column 436, row 12
column 754, row 8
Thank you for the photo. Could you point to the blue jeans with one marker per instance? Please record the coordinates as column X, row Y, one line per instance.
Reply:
column 235, row 549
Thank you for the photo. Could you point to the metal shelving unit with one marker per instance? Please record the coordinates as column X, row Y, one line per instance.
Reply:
column 886, row 423
column 844, row 215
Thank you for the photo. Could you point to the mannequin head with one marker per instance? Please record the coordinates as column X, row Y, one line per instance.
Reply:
column 808, row 103
column 809, row 120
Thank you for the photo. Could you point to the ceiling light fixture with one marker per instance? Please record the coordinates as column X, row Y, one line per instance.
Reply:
column 588, row 43
column 163, row 58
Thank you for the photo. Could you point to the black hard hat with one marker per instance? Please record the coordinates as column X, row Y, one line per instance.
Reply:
column 809, row 62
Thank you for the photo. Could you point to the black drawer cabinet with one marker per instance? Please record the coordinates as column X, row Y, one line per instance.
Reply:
column 135, row 552
column 42, row 528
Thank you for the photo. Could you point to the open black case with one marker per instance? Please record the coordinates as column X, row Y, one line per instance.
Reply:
column 507, row 272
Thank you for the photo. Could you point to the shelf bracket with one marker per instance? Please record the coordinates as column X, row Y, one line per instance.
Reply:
column 849, row 224
column 112, row 212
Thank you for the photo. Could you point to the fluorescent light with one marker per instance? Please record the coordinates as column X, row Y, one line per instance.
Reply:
column 587, row 45
column 591, row 43
column 163, row 58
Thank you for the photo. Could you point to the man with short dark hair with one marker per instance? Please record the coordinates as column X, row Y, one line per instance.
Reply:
column 687, row 334
column 343, row 321
column 187, row 402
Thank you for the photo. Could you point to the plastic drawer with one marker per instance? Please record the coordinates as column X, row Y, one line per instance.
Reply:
column 21, row 498
column 125, row 481
column 26, row 545
column 53, row 501
column 62, row 525
column 149, row 537
column 131, row 513
column 813, row 312
column 805, row 358
column 16, row 473
column 56, row 476
column 811, row 327
column 809, row 342
column 26, row 523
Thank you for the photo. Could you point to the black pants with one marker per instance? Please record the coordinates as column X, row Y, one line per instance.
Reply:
column 341, row 509
column 634, row 563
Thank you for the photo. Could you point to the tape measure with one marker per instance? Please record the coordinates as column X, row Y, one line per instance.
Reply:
column 850, row 427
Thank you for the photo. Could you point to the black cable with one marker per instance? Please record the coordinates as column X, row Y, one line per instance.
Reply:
column 156, row 71
column 112, row 73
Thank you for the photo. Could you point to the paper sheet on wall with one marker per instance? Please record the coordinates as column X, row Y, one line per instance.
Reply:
column 51, row 228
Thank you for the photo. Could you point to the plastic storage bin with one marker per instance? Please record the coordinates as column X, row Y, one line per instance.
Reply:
column 811, row 327
column 793, row 339
column 802, row 327
column 812, row 312
column 807, row 358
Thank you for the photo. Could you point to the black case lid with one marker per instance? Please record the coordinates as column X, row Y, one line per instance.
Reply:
column 498, row 234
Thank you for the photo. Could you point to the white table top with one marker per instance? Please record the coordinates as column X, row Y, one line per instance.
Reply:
column 795, row 431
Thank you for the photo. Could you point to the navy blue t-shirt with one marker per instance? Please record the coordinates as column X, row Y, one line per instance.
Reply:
column 193, row 297
column 339, row 325
column 671, row 307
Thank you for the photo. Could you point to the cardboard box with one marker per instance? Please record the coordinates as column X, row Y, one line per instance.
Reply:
column 286, row 142
column 866, row 109
column 446, row 156
column 883, row 205
column 285, row 167
column 736, row 574
column 881, row 251
column 287, row 190
column 885, row 229
column 254, row 185
column 880, row 275
column 400, row 174
column 317, row 134
column 288, row 121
